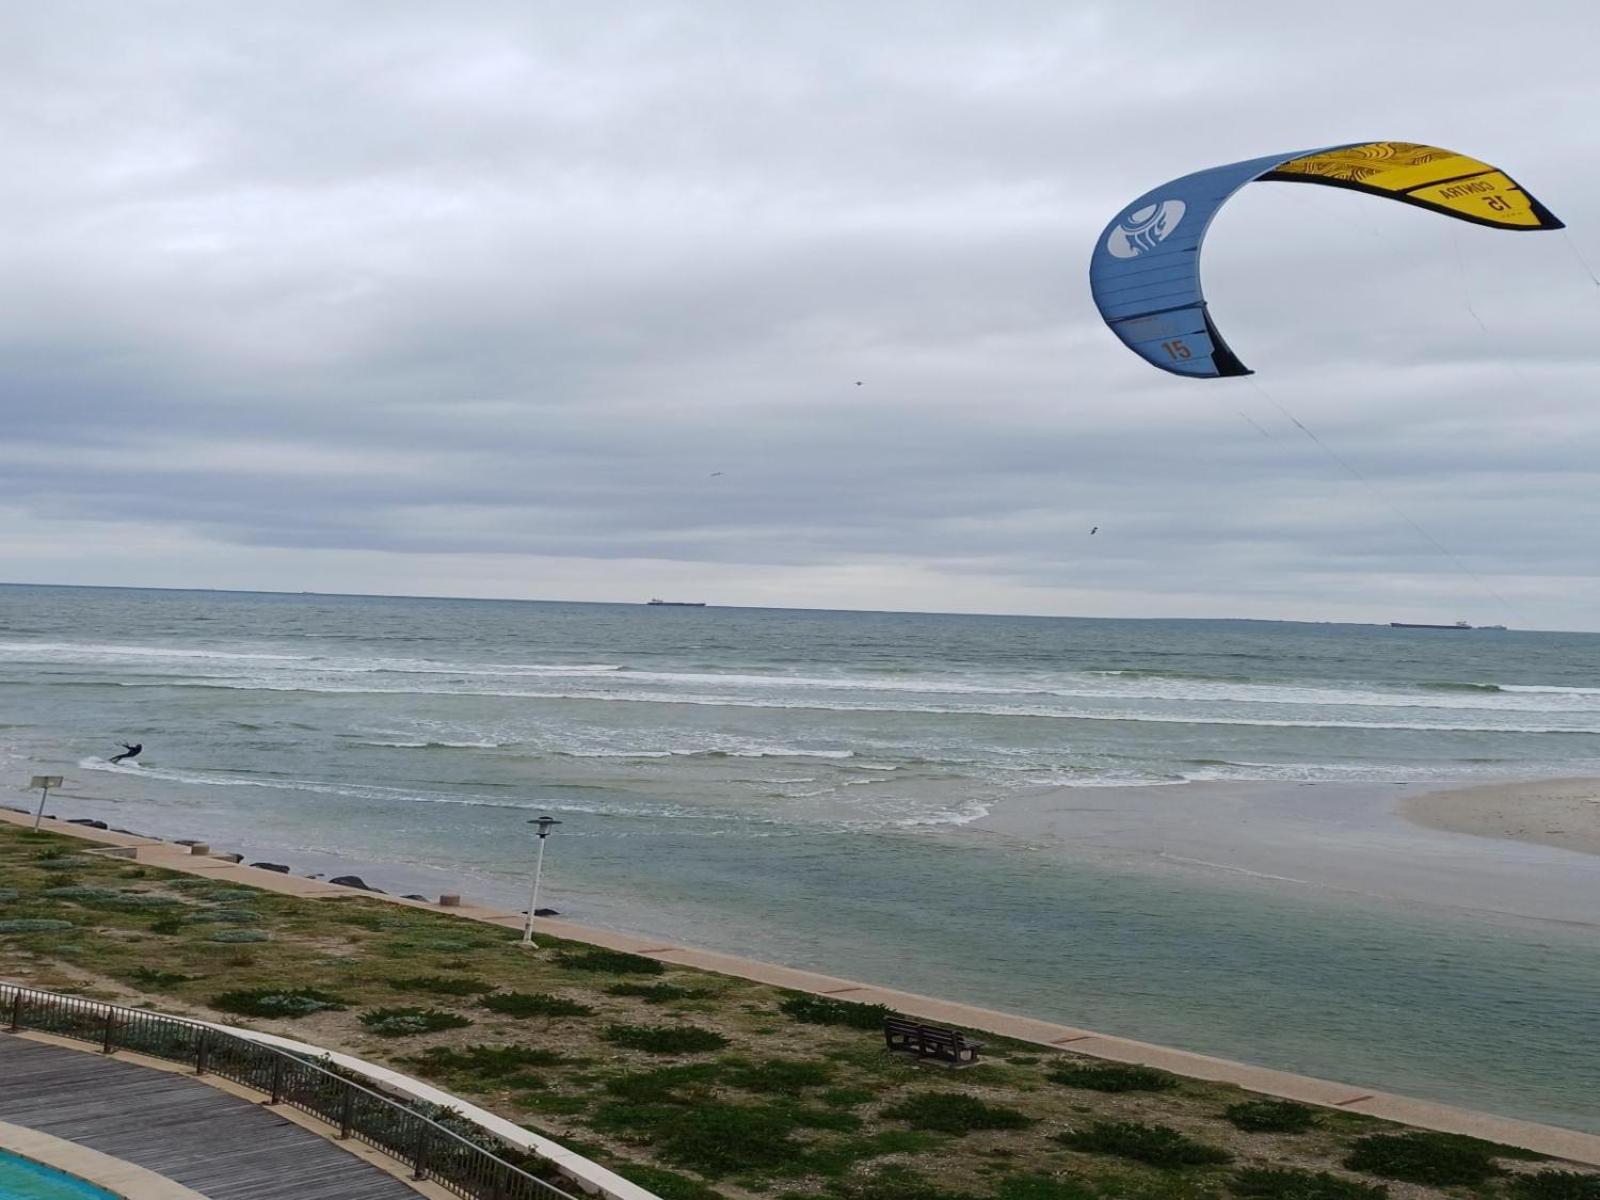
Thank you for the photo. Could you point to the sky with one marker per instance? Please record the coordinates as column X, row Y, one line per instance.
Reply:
column 787, row 305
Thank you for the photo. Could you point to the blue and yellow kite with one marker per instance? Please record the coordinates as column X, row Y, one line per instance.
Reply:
column 1145, row 273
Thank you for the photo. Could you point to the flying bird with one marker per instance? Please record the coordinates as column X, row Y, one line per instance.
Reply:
column 1094, row 531
column 714, row 474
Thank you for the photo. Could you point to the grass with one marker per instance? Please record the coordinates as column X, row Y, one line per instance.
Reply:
column 1271, row 1116
column 1290, row 1183
column 1154, row 1145
column 1111, row 1077
column 405, row 1022
column 534, row 1004
column 955, row 1113
column 1438, row 1159
column 666, row 1039
column 762, row 1094
column 442, row 985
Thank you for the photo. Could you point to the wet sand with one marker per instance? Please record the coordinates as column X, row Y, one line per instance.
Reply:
column 1564, row 813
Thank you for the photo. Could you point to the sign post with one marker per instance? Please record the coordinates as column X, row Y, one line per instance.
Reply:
column 44, row 783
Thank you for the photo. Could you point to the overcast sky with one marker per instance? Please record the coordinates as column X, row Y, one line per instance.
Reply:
column 570, row 301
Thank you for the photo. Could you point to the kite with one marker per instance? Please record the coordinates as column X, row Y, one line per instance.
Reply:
column 1145, row 272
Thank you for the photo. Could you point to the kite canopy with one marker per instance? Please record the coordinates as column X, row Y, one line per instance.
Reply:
column 1145, row 273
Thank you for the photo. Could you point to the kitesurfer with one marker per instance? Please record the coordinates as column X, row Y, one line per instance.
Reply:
column 128, row 751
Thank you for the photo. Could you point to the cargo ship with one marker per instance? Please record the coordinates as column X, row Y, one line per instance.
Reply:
column 678, row 603
column 1410, row 625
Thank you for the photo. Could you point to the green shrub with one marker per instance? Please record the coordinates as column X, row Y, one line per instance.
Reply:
column 785, row 1075
column 1556, row 1185
column 1435, row 1159
column 33, row 925
column 242, row 916
column 613, row 962
column 7, row 895
column 896, row 1183
column 717, row 1139
column 1044, row 1187
column 955, row 1112
column 83, row 894
column 1154, row 1145
column 1271, row 1116
column 239, row 935
column 404, row 1022
column 233, row 895
column 443, row 985
column 534, row 1004
column 664, row 1085
column 276, row 1002
column 669, row 1185
column 665, row 1039
column 166, row 925
column 847, row 1097
column 825, row 1010
column 1111, row 1077
column 1289, row 1183
column 658, row 993
column 152, row 978
column 487, row 1062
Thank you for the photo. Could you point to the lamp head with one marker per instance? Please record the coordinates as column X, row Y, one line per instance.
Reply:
column 544, row 824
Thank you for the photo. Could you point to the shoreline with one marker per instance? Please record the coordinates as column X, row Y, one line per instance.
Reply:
column 1561, row 1142
column 1561, row 813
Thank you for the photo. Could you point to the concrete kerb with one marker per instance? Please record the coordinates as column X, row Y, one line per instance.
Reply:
column 1557, row 1142
column 115, row 1175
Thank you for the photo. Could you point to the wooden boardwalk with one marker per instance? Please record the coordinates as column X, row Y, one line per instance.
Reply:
column 222, row 1146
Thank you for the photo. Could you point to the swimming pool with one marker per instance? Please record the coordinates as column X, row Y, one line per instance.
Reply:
column 24, row 1179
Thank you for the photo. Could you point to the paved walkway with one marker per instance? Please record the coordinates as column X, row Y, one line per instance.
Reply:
column 1425, row 1114
column 222, row 1146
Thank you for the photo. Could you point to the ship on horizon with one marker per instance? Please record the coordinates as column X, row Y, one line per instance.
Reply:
column 1425, row 625
column 676, row 603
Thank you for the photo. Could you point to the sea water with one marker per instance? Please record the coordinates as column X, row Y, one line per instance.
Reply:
column 810, row 787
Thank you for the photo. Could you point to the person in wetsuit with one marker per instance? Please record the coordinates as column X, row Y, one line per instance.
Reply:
column 128, row 751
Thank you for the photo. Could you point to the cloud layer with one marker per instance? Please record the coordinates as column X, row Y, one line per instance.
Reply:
column 572, row 302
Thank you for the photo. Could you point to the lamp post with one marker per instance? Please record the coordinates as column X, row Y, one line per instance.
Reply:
column 44, row 783
column 544, row 824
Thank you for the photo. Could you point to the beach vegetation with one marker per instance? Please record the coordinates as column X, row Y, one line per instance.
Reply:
column 533, row 1004
column 276, row 1002
column 669, row 1185
column 1438, row 1159
column 610, row 962
column 658, row 993
column 443, row 985
column 153, row 977
column 1154, row 1145
column 240, row 935
column 484, row 1061
column 665, row 1039
column 1111, row 1077
column 1555, row 1185
column 896, row 1182
column 825, row 1010
column 1292, row 1183
column 664, row 1085
column 33, row 925
column 242, row 916
column 166, row 925
column 1045, row 1187
column 1271, row 1116
column 8, row 894
column 956, row 1113
column 778, row 1075
column 405, row 1022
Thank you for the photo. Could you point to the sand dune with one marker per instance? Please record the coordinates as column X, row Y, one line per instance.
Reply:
column 1552, row 812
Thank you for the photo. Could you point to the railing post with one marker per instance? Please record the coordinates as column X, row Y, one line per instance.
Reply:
column 422, row 1151
column 347, row 1112
column 16, row 1011
column 106, row 1046
column 277, row 1081
column 202, row 1053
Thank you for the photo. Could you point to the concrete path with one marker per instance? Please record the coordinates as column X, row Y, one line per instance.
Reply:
column 222, row 1146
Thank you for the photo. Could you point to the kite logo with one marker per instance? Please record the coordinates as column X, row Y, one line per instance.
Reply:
column 1144, row 227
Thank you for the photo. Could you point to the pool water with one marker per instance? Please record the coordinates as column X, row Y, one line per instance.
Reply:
column 23, row 1179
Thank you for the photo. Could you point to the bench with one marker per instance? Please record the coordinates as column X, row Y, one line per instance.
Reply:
column 926, row 1041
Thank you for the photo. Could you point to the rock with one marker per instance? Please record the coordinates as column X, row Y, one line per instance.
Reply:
column 278, row 867
column 352, row 881
column 413, row 896
column 88, row 822
column 545, row 912
column 184, row 842
column 233, row 858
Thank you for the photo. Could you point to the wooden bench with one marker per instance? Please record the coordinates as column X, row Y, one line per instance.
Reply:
column 926, row 1041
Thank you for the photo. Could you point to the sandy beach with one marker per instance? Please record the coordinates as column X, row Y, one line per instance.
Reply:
column 1564, row 813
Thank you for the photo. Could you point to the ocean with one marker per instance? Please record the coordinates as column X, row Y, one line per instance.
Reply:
column 841, row 791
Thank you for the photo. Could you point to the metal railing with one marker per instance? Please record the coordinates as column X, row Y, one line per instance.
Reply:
column 432, row 1151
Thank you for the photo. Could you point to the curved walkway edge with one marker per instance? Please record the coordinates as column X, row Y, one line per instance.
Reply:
column 116, row 1175
column 1573, row 1145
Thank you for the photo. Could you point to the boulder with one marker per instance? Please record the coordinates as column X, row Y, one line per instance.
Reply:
column 355, row 881
column 545, row 912
column 413, row 896
column 278, row 867
column 88, row 822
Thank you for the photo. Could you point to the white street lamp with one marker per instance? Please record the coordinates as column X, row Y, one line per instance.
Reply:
column 544, row 824
column 44, row 783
